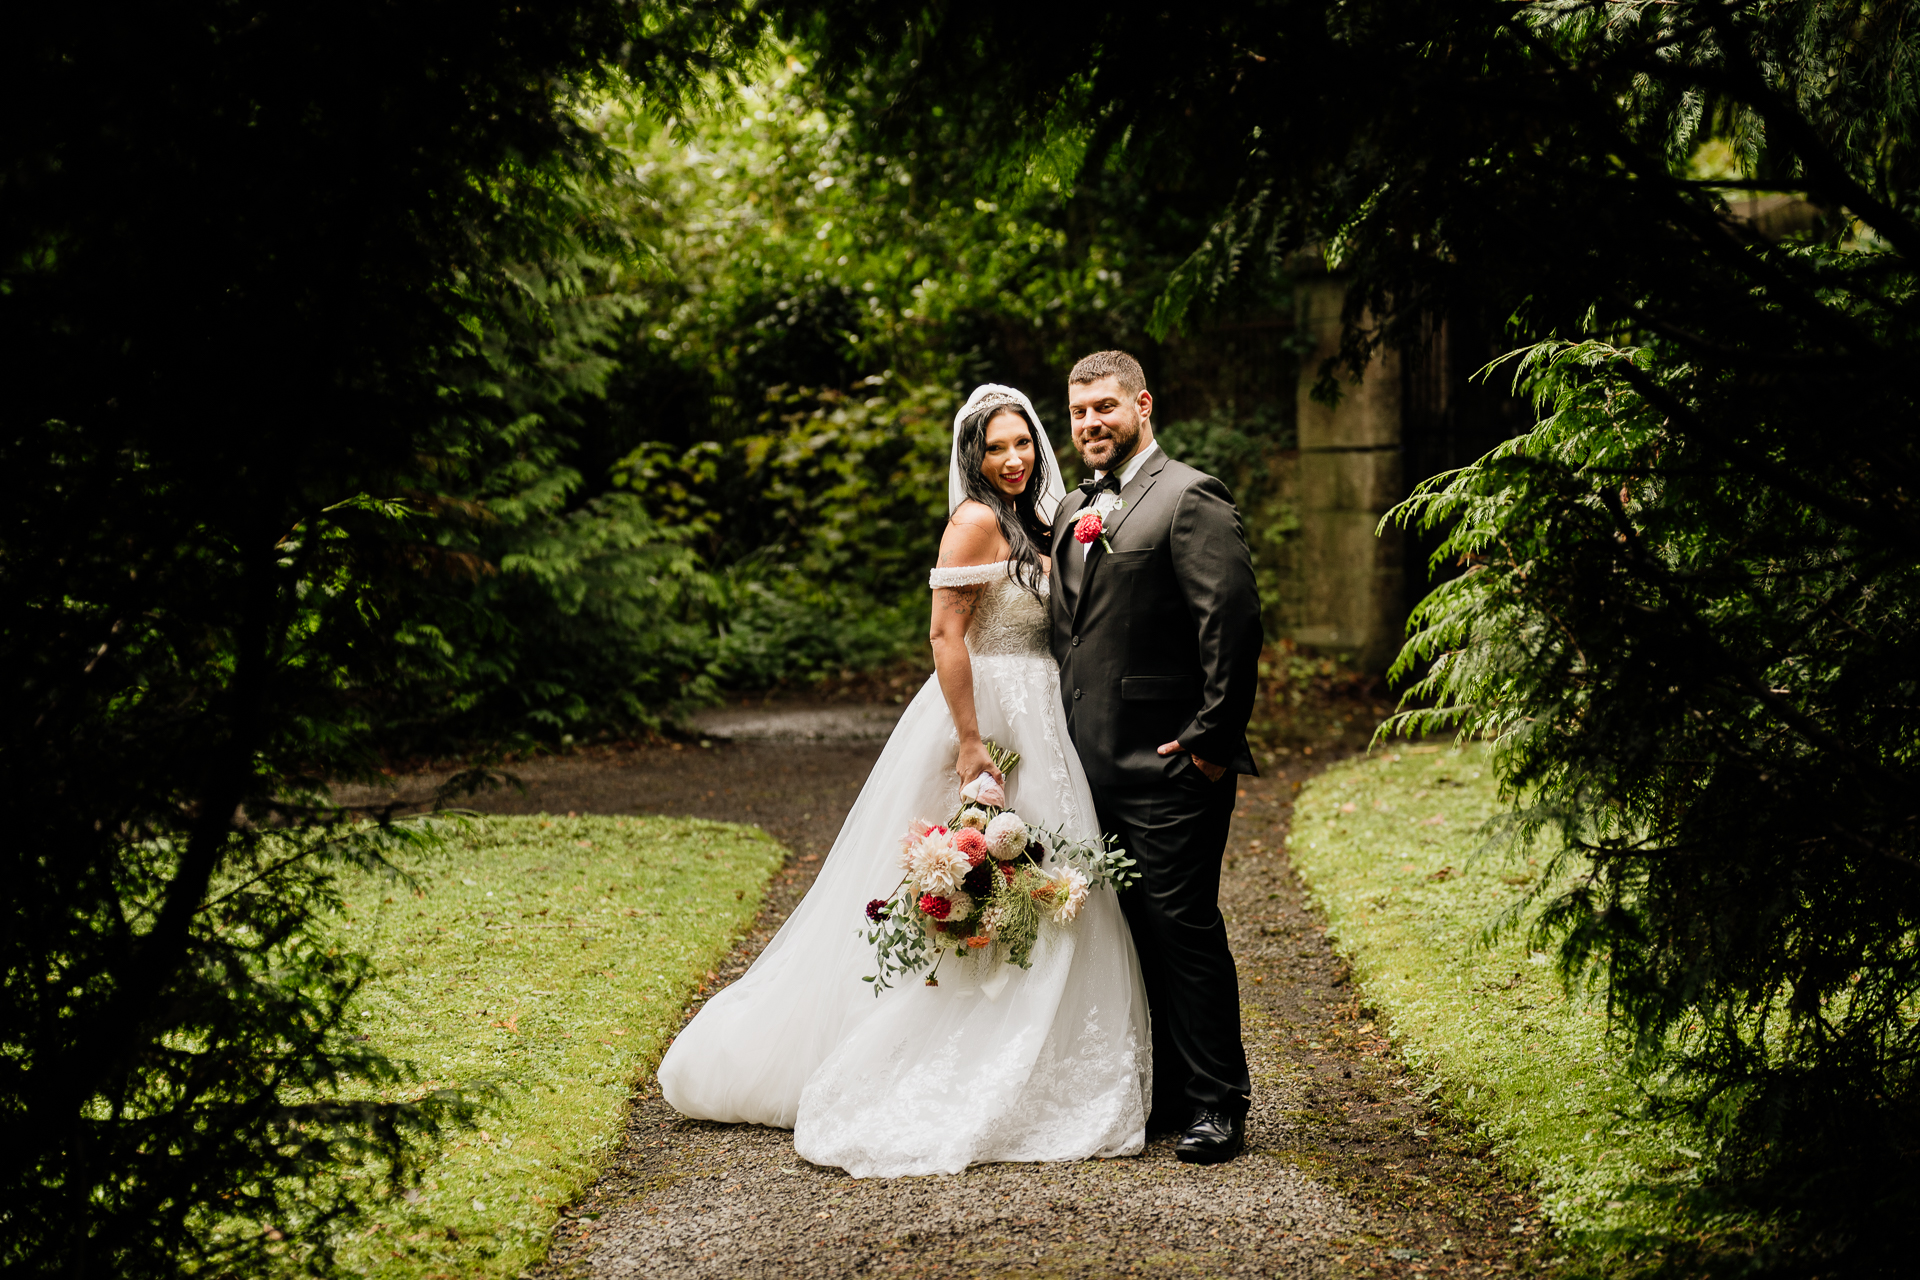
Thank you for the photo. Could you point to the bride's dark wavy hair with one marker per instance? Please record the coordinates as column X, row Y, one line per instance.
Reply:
column 1020, row 522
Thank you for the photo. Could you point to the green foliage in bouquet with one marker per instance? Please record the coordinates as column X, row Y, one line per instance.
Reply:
column 898, row 938
column 1017, row 907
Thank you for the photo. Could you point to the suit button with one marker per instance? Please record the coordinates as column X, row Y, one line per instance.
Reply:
column 1076, row 639
column 1076, row 695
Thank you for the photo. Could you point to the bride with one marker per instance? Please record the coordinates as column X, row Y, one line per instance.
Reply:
column 996, row 1062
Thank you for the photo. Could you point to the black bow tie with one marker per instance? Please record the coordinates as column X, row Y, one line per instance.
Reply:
column 1110, row 481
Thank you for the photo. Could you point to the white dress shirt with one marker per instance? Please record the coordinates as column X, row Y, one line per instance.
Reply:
column 1127, row 473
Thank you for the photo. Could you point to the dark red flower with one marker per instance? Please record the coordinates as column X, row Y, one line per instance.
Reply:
column 876, row 909
column 979, row 881
column 937, row 907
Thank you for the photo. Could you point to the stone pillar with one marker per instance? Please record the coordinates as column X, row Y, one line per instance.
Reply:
column 1351, row 473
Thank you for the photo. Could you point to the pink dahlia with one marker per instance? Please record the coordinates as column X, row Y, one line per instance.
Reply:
column 971, row 843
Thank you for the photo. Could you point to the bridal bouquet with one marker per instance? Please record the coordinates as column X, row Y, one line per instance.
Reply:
column 980, row 884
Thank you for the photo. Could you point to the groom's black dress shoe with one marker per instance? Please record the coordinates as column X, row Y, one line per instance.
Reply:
column 1214, row 1137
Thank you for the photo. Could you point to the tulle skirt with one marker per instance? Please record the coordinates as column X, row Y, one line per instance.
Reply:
column 995, row 1063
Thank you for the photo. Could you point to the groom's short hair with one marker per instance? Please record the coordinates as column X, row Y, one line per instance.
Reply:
column 1117, row 365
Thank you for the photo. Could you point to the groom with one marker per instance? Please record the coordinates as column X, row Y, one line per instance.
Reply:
column 1156, row 625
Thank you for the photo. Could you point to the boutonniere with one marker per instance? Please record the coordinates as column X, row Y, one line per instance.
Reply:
column 1093, row 522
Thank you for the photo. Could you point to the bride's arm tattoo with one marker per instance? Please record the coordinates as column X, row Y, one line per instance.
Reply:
column 959, row 601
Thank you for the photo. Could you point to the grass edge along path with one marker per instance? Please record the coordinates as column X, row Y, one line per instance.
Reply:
column 551, row 959
column 1386, row 846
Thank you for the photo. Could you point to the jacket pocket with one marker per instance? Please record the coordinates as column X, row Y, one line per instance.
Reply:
column 1159, row 689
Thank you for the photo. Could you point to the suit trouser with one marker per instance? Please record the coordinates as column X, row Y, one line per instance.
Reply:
column 1177, row 832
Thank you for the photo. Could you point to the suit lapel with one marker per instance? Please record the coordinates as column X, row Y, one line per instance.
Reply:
column 1135, row 491
column 1068, row 571
column 1095, row 554
column 1131, row 496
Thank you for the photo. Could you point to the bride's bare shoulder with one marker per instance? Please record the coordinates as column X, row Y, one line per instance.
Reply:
column 972, row 537
column 974, row 515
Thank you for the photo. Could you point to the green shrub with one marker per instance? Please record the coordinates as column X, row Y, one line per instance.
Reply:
column 728, row 456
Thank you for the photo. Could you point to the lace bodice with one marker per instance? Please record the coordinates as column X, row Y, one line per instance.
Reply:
column 1007, row 619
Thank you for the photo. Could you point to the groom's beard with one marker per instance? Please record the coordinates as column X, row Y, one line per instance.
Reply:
column 1114, row 446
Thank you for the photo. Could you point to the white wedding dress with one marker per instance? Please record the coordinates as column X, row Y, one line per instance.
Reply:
column 995, row 1063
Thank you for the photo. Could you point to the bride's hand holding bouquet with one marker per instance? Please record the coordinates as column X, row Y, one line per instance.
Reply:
column 976, row 760
column 984, row 883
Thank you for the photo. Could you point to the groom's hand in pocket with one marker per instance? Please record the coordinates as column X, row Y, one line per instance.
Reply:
column 1213, row 771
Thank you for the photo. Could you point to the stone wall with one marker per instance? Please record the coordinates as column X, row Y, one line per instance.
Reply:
column 1314, row 496
column 1352, row 581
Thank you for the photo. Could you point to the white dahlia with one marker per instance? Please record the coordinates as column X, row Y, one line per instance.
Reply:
column 1006, row 837
column 975, row 818
column 937, row 867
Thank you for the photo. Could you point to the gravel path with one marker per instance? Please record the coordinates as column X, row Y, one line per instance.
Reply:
column 1346, row 1174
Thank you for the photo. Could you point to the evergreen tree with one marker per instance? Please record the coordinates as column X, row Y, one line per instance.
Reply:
column 257, row 264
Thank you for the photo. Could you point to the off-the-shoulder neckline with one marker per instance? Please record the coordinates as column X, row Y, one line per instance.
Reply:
column 990, row 564
column 985, row 564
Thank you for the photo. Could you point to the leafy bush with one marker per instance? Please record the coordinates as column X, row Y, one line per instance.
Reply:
column 727, row 462
column 1239, row 449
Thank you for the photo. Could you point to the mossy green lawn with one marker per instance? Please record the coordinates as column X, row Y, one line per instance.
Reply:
column 550, row 958
column 1388, row 847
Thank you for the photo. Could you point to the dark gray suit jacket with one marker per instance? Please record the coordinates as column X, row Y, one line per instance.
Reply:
column 1158, row 639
